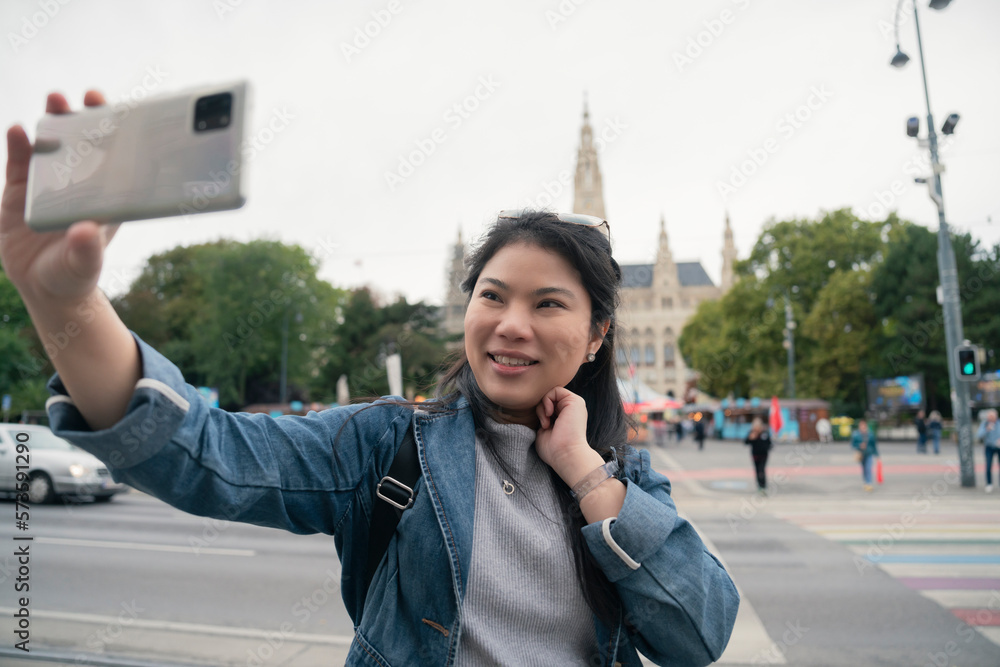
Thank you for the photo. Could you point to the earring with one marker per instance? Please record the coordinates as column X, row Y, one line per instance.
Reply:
column 591, row 356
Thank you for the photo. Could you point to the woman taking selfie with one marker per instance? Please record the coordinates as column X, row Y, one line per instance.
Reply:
column 534, row 535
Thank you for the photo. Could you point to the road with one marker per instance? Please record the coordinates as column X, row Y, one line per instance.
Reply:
column 908, row 574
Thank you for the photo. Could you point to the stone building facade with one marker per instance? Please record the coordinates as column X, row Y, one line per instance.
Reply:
column 657, row 299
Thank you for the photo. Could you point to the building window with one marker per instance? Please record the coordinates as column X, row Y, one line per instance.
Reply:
column 620, row 357
column 668, row 355
column 635, row 356
column 650, row 355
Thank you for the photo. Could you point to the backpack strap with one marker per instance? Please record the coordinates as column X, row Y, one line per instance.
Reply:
column 393, row 496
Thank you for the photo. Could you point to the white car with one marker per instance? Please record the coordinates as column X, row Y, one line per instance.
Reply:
column 55, row 467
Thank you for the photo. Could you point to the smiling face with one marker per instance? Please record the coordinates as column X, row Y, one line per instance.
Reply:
column 527, row 328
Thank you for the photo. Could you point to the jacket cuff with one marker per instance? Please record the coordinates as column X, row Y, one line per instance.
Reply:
column 621, row 544
column 159, row 403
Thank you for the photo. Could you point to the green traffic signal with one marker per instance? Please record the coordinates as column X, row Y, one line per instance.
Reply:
column 968, row 363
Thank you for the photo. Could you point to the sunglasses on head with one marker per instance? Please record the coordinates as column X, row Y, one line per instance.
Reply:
column 572, row 218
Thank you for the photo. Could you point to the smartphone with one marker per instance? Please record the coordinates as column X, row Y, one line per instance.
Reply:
column 175, row 154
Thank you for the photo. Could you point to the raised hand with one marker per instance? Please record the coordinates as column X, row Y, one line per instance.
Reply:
column 56, row 267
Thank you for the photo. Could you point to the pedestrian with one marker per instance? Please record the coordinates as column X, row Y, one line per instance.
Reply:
column 660, row 433
column 863, row 440
column 679, row 429
column 989, row 435
column 934, row 427
column 526, row 433
column 759, row 440
column 921, row 432
column 699, row 431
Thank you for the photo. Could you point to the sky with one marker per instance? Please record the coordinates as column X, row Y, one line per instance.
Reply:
column 407, row 121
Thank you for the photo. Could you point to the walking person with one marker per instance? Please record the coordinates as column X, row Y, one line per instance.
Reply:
column 699, row 431
column 533, row 529
column 921, row 432
column 759, row 440
column 989, row 435
column 934, row 427
column 863, row 440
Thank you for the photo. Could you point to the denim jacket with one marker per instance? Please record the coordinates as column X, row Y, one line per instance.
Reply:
column 318, row 473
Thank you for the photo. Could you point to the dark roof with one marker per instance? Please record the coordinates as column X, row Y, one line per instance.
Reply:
column 690, row 274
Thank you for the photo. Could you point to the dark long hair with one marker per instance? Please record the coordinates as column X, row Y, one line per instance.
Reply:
column 589, row 252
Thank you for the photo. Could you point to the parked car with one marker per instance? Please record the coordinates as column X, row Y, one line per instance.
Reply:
column 56, row 467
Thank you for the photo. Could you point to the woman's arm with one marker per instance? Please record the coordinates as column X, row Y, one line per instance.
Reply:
column 680, row 603
column 294, row 473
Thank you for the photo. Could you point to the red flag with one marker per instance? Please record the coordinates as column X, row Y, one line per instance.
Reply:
column 774, row 419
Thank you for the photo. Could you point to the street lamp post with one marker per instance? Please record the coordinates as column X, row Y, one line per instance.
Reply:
column 790, row 344
column 283, row 388
column 947, row 268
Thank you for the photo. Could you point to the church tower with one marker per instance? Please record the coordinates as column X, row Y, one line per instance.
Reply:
column 665, row 270
column 588, row 194
column 454, row 303
column 728, row 257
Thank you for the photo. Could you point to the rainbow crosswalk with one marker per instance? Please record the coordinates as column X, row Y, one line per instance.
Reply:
column 950, row 555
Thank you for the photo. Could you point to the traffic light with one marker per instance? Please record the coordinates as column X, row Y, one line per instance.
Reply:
column 968, row 362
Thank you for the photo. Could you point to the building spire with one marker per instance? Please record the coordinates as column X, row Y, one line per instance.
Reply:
column 588, row 193
column 728, row 257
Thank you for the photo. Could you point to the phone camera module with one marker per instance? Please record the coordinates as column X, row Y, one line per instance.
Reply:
column 213, row 112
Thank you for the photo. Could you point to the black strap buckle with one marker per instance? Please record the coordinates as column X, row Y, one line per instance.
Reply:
column 401, row 494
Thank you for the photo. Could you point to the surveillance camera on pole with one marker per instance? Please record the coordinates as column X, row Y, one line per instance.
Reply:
column 949, row 124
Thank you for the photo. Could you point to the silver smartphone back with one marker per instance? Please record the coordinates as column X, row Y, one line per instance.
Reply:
column 172, row 155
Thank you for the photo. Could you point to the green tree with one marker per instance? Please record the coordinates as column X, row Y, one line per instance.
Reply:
column 24, row 367
column 910, row 338
column 368, row 332
column 842, row 327
column 737, row 344
column 217, row 311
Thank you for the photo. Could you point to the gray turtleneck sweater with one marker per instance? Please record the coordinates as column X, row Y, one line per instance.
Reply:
column 524, row 604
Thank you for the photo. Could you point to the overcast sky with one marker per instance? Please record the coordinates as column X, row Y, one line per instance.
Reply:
column 684, row 93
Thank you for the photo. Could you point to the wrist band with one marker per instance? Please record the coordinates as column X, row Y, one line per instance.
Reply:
column 594, row 479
